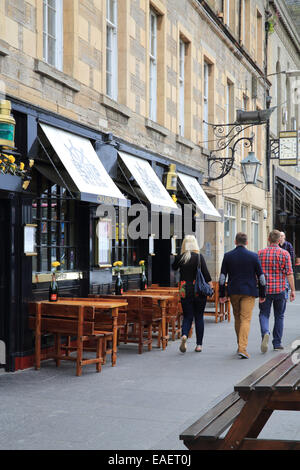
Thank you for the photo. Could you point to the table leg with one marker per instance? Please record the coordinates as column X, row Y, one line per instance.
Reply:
column 115, row 312
column 165, row 337
column 246, row 421
column 38, row 321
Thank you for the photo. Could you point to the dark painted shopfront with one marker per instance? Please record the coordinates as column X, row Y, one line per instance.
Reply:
column 286, row 215
column 66, row 221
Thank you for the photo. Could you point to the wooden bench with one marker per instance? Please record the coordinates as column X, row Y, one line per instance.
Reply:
column 206, row 430
column 273, row 386
column 66, row 320
column 219, row 311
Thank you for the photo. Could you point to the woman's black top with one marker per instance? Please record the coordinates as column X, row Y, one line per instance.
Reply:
column 188, row 271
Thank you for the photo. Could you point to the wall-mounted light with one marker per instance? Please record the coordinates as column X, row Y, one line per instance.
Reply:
column 7, row 125
column 282, row 216
column 171, row 178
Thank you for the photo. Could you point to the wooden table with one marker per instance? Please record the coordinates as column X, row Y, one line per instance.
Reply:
column 273, row 386
column 112, row 305
column 162, row 300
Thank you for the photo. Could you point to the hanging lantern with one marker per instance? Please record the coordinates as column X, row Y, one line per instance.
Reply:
column 250, row 167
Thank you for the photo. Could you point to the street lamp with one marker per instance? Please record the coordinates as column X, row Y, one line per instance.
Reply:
column 250, row 167
column 282, row 216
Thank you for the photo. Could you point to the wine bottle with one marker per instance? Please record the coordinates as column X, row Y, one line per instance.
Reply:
column 53, row 290
column 119, row 285
column 143, row 281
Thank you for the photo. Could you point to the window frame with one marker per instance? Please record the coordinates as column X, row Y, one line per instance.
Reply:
column 112, row 51
column 58, row 37
column 230, row 215
column 182, row 53
column 153, row 20
column 64, row 233
column 255, row 224
column 206, row 66
column 244, row 218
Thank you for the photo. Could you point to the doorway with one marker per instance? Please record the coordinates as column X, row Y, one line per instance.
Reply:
column 4, row 279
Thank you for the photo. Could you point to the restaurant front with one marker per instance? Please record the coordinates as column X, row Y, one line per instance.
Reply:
column 93, row 199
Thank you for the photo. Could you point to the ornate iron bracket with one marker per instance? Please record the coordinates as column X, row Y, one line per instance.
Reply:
column 224, row 139
column 274, row 149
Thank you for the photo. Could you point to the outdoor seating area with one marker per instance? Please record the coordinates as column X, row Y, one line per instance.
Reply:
column 102, row 323
column 273, row 386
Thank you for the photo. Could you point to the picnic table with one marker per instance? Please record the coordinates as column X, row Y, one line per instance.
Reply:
column 273, row 386
column 74, row 317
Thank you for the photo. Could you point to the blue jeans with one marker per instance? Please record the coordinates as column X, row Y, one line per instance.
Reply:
column 279, row 304
column 193, row 308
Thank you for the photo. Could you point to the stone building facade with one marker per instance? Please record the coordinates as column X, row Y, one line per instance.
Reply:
column 152, row 76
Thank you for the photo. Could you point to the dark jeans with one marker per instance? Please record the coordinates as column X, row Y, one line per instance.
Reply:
column 193, row 308
column 279, row 304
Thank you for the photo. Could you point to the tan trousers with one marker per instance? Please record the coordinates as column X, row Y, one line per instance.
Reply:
column 242, row 306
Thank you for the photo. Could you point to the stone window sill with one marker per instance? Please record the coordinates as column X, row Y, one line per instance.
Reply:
column 109, row 103
column 4, row 48
column 48, row 71
column 154, row 126
column 183, row 141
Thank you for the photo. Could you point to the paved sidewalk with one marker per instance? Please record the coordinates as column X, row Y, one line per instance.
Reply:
column 142, row 403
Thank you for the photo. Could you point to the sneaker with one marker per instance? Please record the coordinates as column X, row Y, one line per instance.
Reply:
column 278, row 348
column 264, row 343
column 182, row 347
column 243, row 355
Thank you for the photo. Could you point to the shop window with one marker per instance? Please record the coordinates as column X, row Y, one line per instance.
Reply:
column 53, row 32
column 112, row 242
column 54, row 214
column 229, row 225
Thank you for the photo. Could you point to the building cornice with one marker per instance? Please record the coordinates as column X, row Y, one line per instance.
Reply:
column 286, row 20
column 222, row 30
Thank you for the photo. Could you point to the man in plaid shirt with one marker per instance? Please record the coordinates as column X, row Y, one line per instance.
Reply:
column 277, row 267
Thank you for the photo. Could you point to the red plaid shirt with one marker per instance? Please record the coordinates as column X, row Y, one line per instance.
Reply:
column 276, row 265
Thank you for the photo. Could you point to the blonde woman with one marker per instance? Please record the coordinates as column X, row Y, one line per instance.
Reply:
column 193, row 307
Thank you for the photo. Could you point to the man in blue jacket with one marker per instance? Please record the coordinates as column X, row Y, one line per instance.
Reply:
column 246, row 281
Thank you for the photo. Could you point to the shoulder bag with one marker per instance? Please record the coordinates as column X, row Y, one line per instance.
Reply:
column 201, row 286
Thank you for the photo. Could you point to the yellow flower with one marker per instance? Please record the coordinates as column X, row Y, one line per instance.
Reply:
column 142, row 262
column 31, row 163
column 174, row 197
column 22, row 166
column 118, row 263
column 55, row 264
column 11, row 159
